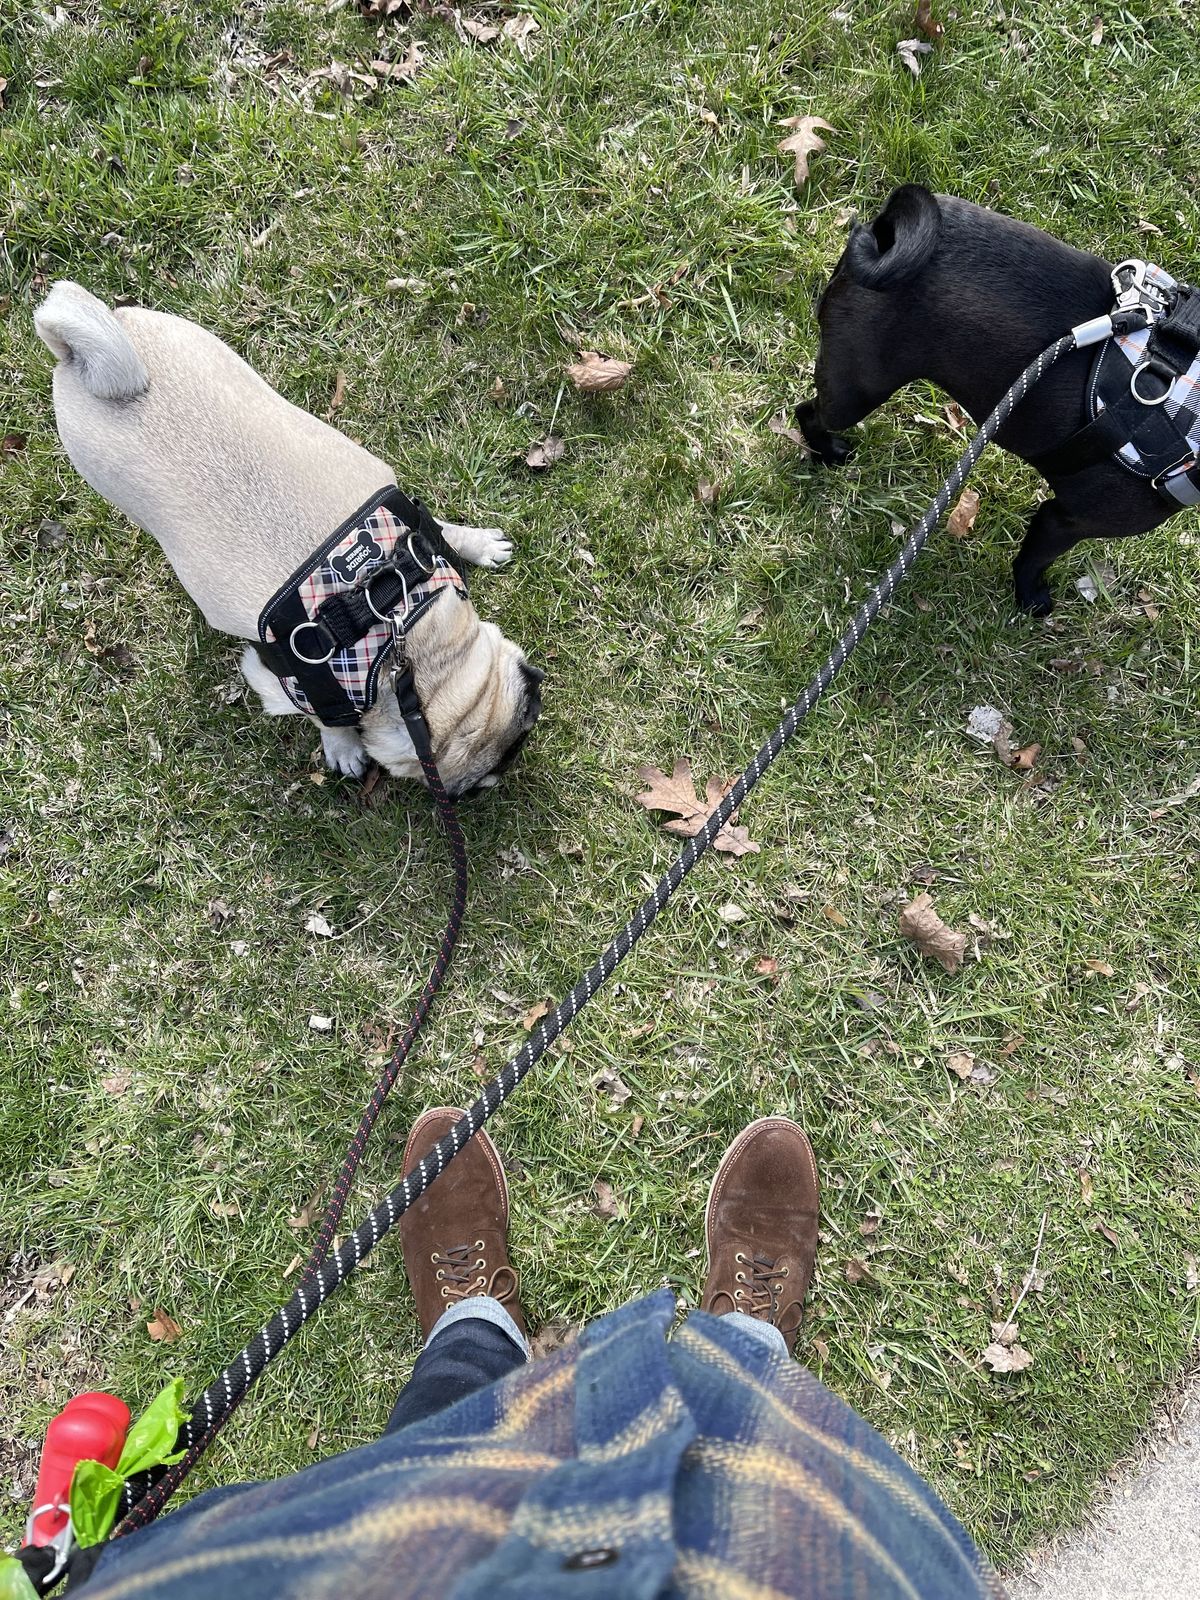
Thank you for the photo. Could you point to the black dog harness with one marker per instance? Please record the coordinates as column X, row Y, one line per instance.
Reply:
column 1143, row 395
column 328, row 632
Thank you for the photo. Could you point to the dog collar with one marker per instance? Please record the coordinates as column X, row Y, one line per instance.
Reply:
column 328, row 632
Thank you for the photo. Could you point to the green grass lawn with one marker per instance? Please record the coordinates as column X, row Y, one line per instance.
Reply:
column 167, row 1108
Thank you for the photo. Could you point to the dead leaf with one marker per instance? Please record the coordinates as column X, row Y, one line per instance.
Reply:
column 780, row 425
column 910, row 52
column 1192, row 1281
column 405, row 69
column 1102, row 967
column 731, row 913
column 1007, row 1358
column 956, row 416
column 805, row 142
column 928, row 24
column 1006, row 1333
column 709, row 118
column 706, row 493
column 544, row 452
column 961, row 1063
column 536, row 1013
column 870, row 1224
column 224, row 1208
column 12, row 444
column 1022, row 760
column 306, row 1213
column 552, row 1336
column 498, row 394
column 636, row 1126
column 339, row 394
column 859, row 1272
column 832, row 914
column 481, row 32
column 1097, row 30
column 921, row 923
column 314, row 1437
column 962, row 519
column 520, row 30
column 1086, row 1187
column 678, row 793
column 612, row 1084
column 605, row 1202
column 597, row 374
column 1108, row 1233
column 162, row 1327
column 768, row 967
column 116, row 1084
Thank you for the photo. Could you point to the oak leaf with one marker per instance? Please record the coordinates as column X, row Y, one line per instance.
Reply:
column 597, row 374
column 544, row 452
column 677, row 793
column 921, row 923
column 1007, row 1357
column 962, row 519
column 804, row 142
column 162, row 1327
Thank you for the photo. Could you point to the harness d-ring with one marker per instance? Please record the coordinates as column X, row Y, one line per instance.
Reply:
column 311, row 661
column 428, row 571
column 1160, row 369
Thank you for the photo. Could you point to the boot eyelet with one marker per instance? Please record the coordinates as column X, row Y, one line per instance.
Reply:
column 479, row 1244
column 739, row 1258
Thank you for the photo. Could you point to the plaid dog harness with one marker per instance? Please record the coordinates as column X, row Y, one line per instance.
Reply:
column 331, row 628
column 1143, row 395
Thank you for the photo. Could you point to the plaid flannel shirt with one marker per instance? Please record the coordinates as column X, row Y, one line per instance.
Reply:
column 622, row 1465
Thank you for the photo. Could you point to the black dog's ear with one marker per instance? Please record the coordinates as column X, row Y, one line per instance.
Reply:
column 897, row 245
column 534, row 676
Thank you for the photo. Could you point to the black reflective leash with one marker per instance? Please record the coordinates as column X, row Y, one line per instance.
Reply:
column 322, row 1278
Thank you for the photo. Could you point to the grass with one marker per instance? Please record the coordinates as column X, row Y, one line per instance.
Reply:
column 167, row 160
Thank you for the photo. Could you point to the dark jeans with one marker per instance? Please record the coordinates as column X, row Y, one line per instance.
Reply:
column 464, row 1357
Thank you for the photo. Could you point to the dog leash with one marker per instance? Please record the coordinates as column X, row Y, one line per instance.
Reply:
column 326, row 1270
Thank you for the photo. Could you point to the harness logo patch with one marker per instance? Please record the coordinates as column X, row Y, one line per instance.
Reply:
column 352, row 561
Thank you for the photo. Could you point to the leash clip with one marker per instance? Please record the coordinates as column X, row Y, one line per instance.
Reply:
column 1136, row 291
column 62, row 1542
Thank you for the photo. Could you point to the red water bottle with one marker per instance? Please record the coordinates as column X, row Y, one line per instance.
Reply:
column 91, row 1427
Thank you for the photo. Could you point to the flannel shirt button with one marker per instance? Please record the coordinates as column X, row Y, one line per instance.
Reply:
column 585, row 1560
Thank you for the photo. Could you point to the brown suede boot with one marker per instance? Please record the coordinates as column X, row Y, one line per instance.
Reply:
column 761, row 1225
column 454, row 1237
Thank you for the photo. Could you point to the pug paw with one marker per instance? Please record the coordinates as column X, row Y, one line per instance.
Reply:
column 344, row 752
column 482, row 547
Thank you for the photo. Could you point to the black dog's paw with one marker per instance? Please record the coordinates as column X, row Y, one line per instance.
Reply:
column 1035, row 599
column 830, row 449
column 835, row 450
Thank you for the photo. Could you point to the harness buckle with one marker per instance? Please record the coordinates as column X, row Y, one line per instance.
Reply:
column 1136, row 291
column 385, row 616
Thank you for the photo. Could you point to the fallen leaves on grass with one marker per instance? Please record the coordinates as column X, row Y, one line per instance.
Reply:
column 804, row 142
column 1098, row 31
column 706, row 493
column 115, row 1084
column 605, row 1203
column 779, row 424
column 1024, row 758
column 594, row 373
column 612, row 1084
column 920, row 923
column 927, row 22
column 1103, row 1229
column 1087, row 1188
column 535, row 1014
column 306, row 1213
column 544, row 453
column 857, row 1272
column 1105, row 970
column 678, row 793
column 12, row 444
column 832, row 914
column 406, row 68
column 1007, row 1357
column 520, row 29
column 910, row 51
column 962, row 519
column 162, row 1327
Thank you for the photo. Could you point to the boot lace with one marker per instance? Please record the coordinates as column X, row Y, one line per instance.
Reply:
column 463, row 1271
column 761, row 1286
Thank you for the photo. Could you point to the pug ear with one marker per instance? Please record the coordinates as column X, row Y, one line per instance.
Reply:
column 534, row 676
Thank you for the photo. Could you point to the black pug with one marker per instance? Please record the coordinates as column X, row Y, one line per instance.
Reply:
column 941, row 289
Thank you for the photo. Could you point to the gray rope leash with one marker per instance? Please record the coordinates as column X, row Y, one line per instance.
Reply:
column 222, row 1397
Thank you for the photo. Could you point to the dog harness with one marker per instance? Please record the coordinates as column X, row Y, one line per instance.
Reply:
column 1143, row 396
column 331, row 628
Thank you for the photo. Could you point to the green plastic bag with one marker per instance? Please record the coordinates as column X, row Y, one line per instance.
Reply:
column 96, row 1489
column 14, row 1581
